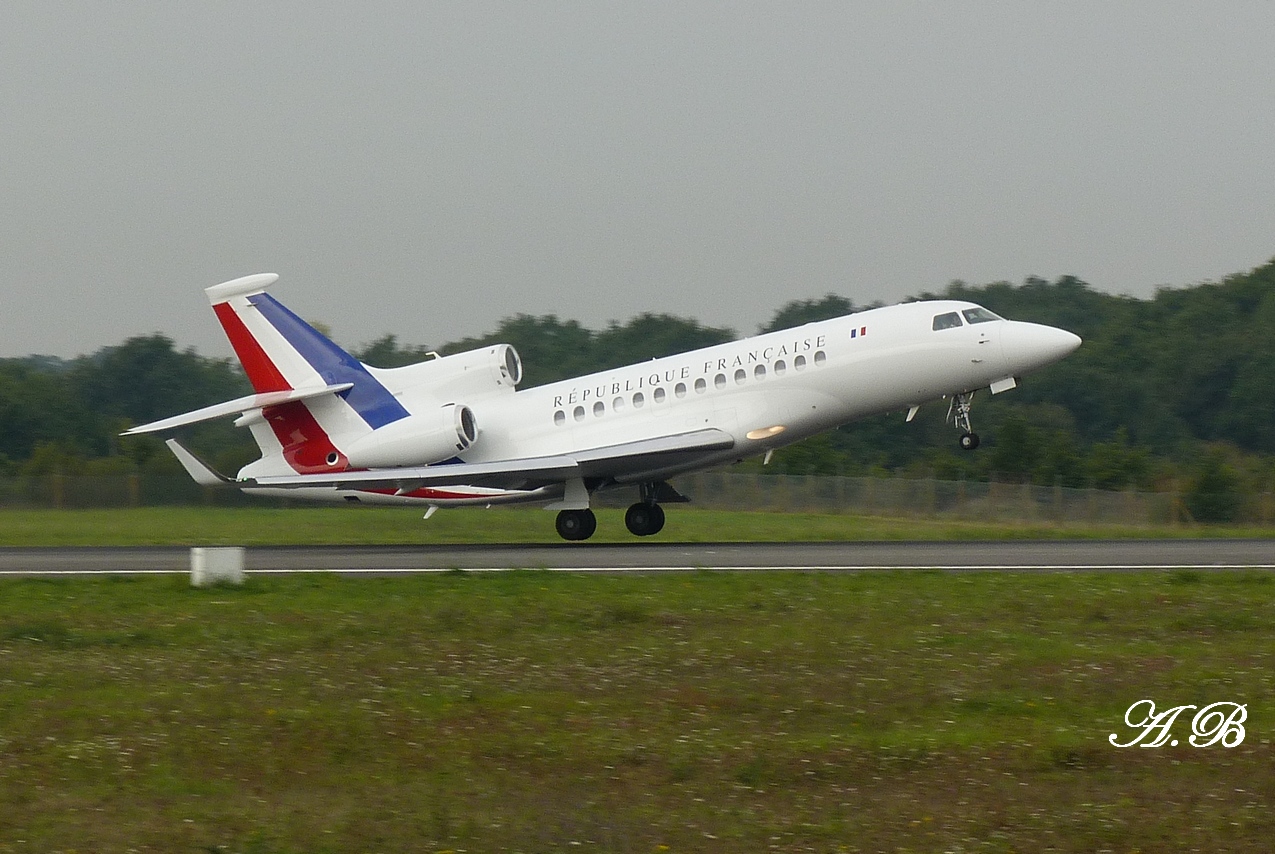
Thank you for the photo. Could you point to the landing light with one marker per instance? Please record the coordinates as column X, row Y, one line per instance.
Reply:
column 765, row 432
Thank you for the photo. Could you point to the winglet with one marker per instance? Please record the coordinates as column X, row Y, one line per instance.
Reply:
column 203, row 474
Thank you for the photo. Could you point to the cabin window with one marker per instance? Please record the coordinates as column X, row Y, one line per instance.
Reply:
column 680, row 390
column 578, row 413
column 759, row 372
column 979, row 315
column 820, row 357
column 951, row 320
column 638, row 400
column 799, row 363
column 720, row 381
column 560, row 418
column 617, row 404
column 659, row 395
column 598, row 409
column 780, row 368
column 700, row 386
column 740, row 376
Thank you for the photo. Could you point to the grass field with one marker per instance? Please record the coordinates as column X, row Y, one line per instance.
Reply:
column 531, row 711
column 264, row 525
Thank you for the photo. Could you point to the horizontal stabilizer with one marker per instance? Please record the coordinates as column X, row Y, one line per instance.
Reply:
column 246, row 403
column 246, row 286
column 202, row 473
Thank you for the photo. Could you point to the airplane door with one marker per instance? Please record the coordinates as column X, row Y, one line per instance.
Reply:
column 983, row 342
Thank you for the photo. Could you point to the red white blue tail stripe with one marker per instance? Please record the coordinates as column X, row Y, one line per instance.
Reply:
column 280, row 351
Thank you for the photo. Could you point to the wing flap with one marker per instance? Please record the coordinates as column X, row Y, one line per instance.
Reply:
column 605, row 459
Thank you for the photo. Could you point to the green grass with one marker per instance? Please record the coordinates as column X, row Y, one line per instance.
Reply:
column 531, row 711
column 399, row 526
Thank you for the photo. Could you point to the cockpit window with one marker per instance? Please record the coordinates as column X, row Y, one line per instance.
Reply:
column 951, row 320
column 979, row 315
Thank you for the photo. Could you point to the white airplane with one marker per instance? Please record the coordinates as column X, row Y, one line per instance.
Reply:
column 454, row 430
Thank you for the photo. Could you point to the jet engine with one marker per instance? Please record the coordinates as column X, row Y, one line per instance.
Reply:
column 497, row 366
column 430, row 436
column 467, row 375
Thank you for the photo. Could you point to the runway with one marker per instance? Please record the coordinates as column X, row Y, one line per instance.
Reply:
column 1068, row 555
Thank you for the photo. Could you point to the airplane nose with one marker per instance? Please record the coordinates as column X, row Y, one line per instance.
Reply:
column 1029, row 346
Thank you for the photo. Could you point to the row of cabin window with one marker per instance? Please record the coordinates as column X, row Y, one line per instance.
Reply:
column 680, row 390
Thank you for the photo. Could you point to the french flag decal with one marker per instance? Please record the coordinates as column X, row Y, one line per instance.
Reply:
column 859, row 333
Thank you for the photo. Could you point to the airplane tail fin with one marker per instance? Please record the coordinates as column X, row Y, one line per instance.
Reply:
column 282, row 353
column 317, row 409
column 278, row 350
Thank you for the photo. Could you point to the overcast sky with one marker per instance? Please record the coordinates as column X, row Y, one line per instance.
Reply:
column 428, row 168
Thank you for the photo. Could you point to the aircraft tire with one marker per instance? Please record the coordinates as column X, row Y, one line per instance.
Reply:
column 644, row 519
column 968, row 441
column 576, row 524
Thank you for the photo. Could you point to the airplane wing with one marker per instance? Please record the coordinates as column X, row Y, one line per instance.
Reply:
column 621, row 459
column 624, row 461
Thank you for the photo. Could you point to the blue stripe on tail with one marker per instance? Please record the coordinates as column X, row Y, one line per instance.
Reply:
column 371, row 400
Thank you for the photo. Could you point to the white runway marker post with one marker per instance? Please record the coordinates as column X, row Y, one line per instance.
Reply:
column 209, row 566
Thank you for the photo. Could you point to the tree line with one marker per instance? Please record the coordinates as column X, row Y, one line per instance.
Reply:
column 1166, row 391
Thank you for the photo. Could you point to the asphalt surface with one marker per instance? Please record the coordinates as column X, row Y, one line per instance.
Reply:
column 663, row 557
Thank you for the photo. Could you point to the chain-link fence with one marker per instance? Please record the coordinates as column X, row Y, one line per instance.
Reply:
column 129, row 490
column 725, row 490
column 930, row 498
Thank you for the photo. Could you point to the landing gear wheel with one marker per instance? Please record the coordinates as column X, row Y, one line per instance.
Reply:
column 576, row 524
column 644, row 519
column 958, row 415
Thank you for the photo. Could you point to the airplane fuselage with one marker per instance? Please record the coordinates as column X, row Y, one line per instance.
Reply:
column 764, row 392
column 455, row 430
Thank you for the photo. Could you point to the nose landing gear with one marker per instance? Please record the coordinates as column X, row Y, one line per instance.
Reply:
column 958, row 413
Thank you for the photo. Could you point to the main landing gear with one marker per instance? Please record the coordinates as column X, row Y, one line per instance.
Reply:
column 643, row 519
column 576, row 524
column 647, row 516
column 958, row 413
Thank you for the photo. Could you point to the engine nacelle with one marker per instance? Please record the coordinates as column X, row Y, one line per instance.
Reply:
column 496, row 366
column 427, row 437
column 468, row 375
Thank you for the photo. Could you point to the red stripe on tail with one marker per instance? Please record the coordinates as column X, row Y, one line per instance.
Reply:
column 261, row 372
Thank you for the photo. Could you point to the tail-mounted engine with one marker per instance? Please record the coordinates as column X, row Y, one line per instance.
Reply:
column 431, row 436
column 436, row 431
column 474, row 371
column 463, row 376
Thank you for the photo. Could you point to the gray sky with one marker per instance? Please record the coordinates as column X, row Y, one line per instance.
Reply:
column 427, row 169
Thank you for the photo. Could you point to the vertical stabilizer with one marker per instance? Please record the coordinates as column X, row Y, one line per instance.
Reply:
column 280, row 352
